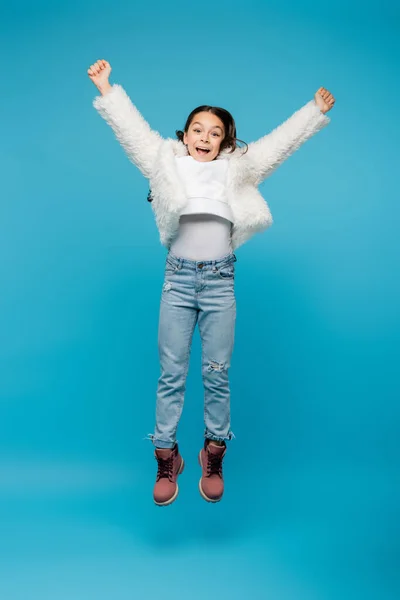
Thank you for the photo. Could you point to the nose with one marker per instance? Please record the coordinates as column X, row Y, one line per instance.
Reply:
column 204, row 138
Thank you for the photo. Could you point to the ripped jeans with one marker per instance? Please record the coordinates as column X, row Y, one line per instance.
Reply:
column 195, row 293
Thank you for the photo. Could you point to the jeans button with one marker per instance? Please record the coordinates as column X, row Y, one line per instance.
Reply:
column 200, row 265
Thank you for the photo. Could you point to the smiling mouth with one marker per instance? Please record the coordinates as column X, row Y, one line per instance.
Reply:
column 203, row 151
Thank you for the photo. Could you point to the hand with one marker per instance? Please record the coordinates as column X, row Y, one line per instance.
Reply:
column 324, row 99
column 99, row 73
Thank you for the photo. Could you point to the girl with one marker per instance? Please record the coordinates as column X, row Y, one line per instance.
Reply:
column 206, row 204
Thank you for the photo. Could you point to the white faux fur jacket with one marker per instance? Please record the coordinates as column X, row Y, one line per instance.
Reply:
column 154, row 156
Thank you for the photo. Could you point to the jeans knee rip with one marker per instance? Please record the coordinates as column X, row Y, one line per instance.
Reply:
column 215, row 366
column 167, row 286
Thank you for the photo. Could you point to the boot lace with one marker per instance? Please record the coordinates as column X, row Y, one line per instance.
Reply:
column 165, row 468
column 214, row 465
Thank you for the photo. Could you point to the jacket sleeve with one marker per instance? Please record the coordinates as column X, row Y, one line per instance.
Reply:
column 269, row 152
column 139, row 141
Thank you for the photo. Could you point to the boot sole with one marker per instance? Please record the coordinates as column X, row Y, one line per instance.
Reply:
column 203, row 494
column 174, row 497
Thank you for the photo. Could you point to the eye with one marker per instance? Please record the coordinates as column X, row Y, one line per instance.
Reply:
column 196, row 130
column 216, row 134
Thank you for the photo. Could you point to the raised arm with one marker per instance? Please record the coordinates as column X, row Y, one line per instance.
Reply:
column 139, row 141
column 269, row 152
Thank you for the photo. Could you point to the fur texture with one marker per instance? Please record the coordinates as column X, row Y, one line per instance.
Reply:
column 154, row 156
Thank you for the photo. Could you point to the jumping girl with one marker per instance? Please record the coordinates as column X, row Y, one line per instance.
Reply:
column 205, row 198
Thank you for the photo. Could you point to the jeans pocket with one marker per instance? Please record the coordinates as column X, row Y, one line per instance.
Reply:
column 170, row 267
column 226, row 272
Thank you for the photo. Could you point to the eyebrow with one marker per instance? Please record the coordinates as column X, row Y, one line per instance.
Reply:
column 215, row 126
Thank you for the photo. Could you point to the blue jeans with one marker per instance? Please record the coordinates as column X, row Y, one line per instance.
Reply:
column 193, row 293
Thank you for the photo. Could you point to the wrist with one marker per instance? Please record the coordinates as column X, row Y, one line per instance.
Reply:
column 318, row 105
column 104, row 88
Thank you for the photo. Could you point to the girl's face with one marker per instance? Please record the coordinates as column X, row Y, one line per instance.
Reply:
column 204, row 136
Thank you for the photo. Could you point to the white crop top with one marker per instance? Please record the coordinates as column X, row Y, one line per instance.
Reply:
column 205, row 186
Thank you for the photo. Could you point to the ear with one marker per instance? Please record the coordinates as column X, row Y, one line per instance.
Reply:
column 185, row 138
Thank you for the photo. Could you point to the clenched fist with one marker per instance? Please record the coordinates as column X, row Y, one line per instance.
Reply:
column 99, row 73
column 324, row 99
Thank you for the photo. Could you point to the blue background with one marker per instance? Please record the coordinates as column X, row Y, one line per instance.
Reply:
column 312, row 488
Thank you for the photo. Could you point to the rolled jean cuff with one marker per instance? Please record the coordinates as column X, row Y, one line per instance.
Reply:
column 218, row 438
column 159, row 443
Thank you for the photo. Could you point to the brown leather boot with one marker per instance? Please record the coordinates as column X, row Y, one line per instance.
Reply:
column 211, row 484
column 170, row 465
